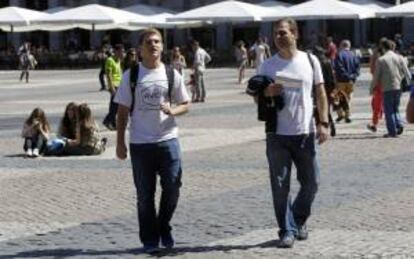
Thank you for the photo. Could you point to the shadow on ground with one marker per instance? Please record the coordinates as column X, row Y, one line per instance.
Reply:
column 166, row 252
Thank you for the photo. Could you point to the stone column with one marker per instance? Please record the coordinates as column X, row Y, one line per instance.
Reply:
column 55, row 38
column 15, row 39
column 407, row 30
column 224, row 36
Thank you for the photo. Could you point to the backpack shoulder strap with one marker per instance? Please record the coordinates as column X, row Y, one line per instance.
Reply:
column 313, row 74
column 133, row 79
column 169, row 70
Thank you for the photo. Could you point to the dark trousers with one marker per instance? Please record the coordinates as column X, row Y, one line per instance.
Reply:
column 148, row 160
column 37, row 141
column 102, row 79
column 281, row 152
column 110, row 118
column 391, row 110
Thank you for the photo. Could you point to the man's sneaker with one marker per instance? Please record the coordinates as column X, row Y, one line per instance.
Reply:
column 372, row 128
column 151, row 249
column 286, row 241
column 302, row 233
column 29, row 152
column 104, row 141
column 390, row 136
column 167, row 240
column 400, row 130
column 339, row 119
column 35, row 152
column 348, row 120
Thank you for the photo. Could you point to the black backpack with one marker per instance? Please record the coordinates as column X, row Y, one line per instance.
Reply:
column 133, row 79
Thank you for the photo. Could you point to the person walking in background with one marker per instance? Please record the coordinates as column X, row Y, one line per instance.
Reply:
column 261, row 53
column 241, row 57
column 201, row 58
column 26, row 62
column 178, row 60
column 293, row 140
column 129, row 60
column 331, row 49
column 329, row 82
column 102, row 56
column 35, row 132
column 377, row 95
column 154, row 146
column 390, row 69
column 113, row 73
column 346, row 66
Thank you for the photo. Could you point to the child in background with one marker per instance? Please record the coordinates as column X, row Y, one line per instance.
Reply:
column 191, row 85
column 35, row 132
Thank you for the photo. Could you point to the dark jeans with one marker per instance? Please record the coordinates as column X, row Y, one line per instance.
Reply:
column 37, row 141
column 102, row 79
column 148, row 160
column 392, row 114
column 110, row 118
column 281, row 152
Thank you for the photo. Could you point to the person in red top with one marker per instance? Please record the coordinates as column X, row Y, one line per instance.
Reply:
column 331, row 48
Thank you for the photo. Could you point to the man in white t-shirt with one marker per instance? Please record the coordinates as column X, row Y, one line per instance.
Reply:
column 154, row 146
column 262, row 53
column 201, row 58
column 293, row 141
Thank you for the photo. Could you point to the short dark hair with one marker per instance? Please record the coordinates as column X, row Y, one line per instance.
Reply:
column 293, row 26
column 119, row 47
column 386, row 44
column 148, row 32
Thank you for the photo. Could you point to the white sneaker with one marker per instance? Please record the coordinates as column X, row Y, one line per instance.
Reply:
column 29, row 152
column 36, row 152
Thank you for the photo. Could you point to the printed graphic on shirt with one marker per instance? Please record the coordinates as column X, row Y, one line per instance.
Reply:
column 151, row 94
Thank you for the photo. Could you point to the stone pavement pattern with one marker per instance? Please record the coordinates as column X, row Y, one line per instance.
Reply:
column 84, row 207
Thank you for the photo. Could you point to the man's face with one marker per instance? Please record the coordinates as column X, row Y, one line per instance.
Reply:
column 119, row 53
column 283, row 37
column 152, row 47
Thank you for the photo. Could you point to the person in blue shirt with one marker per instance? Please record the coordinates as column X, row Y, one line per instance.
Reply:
column 347, row 66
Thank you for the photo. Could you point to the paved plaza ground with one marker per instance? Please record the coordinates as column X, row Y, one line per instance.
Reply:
column 84, row 207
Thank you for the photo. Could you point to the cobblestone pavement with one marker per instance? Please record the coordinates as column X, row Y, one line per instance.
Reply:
column 84, row 207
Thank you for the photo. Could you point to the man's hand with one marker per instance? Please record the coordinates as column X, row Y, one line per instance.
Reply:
column 166, row 108
column 121, row 151
column 273, row 90
column 322, row 134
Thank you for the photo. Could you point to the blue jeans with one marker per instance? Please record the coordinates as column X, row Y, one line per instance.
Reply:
column 392, row 114
column 281, row 152
column 148, row 160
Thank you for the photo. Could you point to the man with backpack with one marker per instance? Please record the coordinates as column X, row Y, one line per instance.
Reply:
column 146, row 95
column 297, row 77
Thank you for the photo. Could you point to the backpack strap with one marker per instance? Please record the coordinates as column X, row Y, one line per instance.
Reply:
column 315, row 107
column 169, row 70
column 133, row 79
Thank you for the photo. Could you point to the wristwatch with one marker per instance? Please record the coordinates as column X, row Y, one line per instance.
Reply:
column 324, row 124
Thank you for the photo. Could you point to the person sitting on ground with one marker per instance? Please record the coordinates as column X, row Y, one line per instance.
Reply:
column 87, row 140
column 35, row 132
column 67, row 128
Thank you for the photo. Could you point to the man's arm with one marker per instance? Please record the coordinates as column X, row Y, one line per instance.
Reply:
column 180, row 109
column 121, row 123
column 322, row 106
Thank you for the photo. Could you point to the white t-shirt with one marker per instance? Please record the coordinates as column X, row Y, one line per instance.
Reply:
column 148, row 123
column 201, row 58
column 296, row 117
